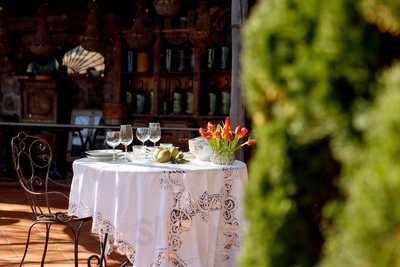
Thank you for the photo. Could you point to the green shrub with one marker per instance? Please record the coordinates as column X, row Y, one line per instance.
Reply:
column 310, row 68
column 367, row 230
column 384, row 13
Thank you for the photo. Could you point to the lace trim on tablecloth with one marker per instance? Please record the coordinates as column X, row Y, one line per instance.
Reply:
column 185, row 208
column 101, row 226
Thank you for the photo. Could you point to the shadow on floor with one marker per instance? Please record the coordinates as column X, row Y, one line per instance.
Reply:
column 14, row 224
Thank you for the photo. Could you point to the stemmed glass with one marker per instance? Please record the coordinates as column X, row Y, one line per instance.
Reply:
column 113, row 140
column 126, row 137
column 155, row 132
column 142, row 134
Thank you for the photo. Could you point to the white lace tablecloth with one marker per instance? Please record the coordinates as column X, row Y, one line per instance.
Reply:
column 163, row 214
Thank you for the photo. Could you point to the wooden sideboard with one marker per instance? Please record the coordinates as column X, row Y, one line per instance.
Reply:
column 39, row 100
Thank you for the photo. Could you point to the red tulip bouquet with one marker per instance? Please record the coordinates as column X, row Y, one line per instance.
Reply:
column 224, row 142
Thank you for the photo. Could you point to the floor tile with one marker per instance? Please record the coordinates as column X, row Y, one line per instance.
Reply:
column 15, row 220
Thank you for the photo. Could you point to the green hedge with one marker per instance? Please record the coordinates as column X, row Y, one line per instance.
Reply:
column 384, row 13
column 367, row 230
column 310, row 68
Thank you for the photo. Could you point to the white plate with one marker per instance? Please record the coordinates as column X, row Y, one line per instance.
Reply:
column 100, row 158
column 102, row 152
column 104, row 158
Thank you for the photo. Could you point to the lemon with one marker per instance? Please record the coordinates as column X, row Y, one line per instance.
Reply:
column 164, row 156
column 156, row 152
column 174, row 151
column 180, row 155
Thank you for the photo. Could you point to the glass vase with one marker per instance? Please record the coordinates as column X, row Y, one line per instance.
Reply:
column 223, row 158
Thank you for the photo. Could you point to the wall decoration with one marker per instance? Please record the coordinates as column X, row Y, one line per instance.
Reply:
column 200, row 35
column 221, row 25
column 41, row 45
column 82, row 61
column 167, row 8
column 140, row 35
column 90, row 40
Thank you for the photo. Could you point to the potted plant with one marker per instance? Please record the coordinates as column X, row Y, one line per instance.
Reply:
column 224, row 142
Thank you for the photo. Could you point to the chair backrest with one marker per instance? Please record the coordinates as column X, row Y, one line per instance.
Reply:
column 32, row 157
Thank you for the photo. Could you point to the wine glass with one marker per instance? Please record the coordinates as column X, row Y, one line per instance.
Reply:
column 113, row 140
column 142, row 134
column 155, row 132
column 126, row 137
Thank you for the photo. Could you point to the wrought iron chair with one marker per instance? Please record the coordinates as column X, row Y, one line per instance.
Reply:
column 32, row 157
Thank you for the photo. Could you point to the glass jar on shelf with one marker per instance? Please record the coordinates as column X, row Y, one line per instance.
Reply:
column 189, row 98
column 140, row 99
column 226, row 98
column 177, row 100
column 212, row 99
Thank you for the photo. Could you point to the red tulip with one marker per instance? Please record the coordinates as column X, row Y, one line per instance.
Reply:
column 225, row 131
column 227, row 123
column 242, row 132
column 218, row 136
column 204, row 134
column 229, row 135
column 211, row 127
column 251, row 141
column 237, row 129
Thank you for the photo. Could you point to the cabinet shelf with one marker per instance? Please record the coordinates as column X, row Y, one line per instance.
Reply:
column 176, row 73
column 135, row 73
column 216, row 72
column 175, row 30
column 211, row 117
column 176, row 116
column 181, row 116
column 138, row 115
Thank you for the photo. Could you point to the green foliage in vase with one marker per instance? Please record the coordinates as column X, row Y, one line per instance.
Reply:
column 310, row 68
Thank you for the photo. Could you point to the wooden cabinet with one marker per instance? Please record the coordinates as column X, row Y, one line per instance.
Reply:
column 180, row 82
column 39, row 100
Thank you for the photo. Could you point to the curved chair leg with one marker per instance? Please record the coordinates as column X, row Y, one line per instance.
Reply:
column 125, row 263
column 103, row 251
column 48, row 225
column 100, row 260
column 27, row 243
column 76, row 241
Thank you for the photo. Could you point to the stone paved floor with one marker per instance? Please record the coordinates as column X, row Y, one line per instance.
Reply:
column 15, row 219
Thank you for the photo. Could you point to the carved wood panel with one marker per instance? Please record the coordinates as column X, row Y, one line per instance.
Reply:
column 39, row 101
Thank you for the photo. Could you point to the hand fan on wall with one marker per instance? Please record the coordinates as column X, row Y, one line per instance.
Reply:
column 81, row 61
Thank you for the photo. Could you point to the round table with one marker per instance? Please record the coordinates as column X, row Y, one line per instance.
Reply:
column 163, row 214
